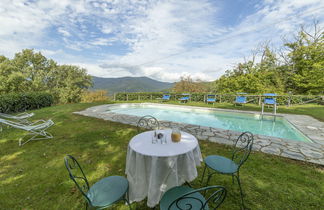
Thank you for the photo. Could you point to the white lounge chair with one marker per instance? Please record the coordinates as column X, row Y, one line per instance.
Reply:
column 22, row 117
column 37, row 129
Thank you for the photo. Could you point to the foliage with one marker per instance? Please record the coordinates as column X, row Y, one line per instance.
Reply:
column 298, row 69
column 138, row 96
column 19, row 102
column 29, row 71
column 306, row 59
column 269, row 182
column 94, row 96
column 186, row 84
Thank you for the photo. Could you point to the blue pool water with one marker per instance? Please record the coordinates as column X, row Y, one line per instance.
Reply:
column 217, row 119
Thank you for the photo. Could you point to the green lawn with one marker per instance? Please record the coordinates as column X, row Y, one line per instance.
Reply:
column 34, row 176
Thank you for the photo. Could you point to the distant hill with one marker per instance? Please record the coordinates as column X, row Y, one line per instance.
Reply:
column 129, row 84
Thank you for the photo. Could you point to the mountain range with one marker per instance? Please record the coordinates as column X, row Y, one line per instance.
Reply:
column 130, row 84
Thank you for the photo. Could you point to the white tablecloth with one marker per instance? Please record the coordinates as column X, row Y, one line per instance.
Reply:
column 152, row 169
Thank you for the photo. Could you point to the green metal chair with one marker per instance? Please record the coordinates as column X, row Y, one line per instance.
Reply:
column 147, row 122
column 223, row 165
column 103, row 193
column 184, row 197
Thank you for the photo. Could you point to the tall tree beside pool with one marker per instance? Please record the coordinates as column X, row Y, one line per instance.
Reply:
column 30, row 71
column 298, row 68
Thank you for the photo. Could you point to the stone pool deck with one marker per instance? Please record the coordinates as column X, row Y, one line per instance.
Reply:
column 306, row 151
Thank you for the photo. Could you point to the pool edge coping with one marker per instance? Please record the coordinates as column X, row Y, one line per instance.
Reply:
column 306, row 151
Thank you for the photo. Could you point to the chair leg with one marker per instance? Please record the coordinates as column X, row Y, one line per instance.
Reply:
column 203, row 175
column 127, row 201
column 241, row 192
column 187, row 183
column 128, row 204
column 209, row 176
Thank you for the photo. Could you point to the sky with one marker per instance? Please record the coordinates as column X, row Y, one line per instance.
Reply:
column 160, row 39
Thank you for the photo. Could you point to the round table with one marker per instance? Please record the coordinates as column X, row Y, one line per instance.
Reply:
column 152, row 169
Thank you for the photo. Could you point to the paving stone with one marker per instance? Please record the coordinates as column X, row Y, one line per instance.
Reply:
column 293, row 155
column 311, row 153
column 201, row 137
column 312, row 127
column 220, row 135
column 208, row 133
column 262, row 142
column 220, row 140
column 256, row 147
column 270, row 150
column 274, row 145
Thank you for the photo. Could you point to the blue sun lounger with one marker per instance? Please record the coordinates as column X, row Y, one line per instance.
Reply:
column 240, row 99
column 166, row 97
column 269, row 99
column 185, row 98
column 211, row 98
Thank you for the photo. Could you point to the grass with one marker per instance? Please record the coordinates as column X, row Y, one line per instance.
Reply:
column 314, row 110
column 34, row 176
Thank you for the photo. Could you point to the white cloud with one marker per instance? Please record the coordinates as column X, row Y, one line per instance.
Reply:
column 165, row 39
column 103, row 41
column 63, row 32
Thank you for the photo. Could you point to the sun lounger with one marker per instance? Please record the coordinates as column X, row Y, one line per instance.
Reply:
column 240, row 99
column 185, row 98
column 211, row 99
column 22, row 117
column 270, row 98
column 37, row 129
column 166, row 97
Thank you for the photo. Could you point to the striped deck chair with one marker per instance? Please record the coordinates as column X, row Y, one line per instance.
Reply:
column 36, row 129
column 22, row 117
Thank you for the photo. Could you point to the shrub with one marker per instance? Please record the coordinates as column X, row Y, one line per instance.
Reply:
column 93, row 96
column 19, row 102
column 138, row 96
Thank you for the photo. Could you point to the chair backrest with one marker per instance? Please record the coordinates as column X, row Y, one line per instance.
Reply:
column 242, row 148
column 240, row 99
column 166, row 97
column 185, row 96
column 77, row 175
column 148, row 122
column 268, row 99
column 41, row 126
column 17, row 117
column 190, row 200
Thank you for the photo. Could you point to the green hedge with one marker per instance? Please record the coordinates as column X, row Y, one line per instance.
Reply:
column 19, row 102
column 224, row 98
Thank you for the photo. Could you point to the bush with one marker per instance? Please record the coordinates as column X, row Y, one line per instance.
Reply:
column 19, row 102
column 138, row 96
column 93, row 96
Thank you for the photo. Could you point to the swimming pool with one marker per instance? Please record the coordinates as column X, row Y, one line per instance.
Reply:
column 228, row 120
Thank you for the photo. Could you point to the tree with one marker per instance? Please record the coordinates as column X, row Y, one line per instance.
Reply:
column 306, row 61
column 29, row 71
column 186, row 84
column 301, row 70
